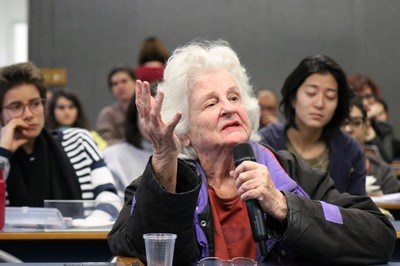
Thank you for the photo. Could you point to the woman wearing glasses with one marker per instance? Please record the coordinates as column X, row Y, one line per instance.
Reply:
column 40, row 165
column 190, row 187
column 315, row 102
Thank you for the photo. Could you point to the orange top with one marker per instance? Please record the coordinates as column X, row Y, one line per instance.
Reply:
column 232, row 231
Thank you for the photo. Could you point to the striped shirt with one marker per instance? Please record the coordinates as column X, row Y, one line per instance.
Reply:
column 95, row 180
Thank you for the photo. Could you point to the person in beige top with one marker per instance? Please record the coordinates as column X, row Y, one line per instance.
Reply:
column 111, row 119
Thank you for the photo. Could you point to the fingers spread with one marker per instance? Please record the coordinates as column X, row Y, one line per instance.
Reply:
column 174, row 121
column 156, row 110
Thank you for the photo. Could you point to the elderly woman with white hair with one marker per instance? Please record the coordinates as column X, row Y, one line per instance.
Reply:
column 191, row 187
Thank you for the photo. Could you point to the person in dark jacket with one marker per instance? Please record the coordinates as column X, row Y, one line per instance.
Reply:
column 191, row 187
column 315, row 102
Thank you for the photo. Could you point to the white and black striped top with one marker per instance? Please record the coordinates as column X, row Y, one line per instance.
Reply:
column 95, row 180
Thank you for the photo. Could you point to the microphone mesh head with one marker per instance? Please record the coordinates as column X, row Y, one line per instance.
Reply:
column 243, row 152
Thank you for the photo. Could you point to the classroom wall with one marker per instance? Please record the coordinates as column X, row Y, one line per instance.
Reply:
column 11, row 13
column 271, row 37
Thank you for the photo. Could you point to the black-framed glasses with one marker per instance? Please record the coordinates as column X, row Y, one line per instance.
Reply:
column 17, row 109
column 238, row 261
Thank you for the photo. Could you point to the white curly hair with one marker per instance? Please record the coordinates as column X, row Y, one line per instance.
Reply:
column 184, row 67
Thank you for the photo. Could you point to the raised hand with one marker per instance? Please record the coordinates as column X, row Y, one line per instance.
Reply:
column 166, row 145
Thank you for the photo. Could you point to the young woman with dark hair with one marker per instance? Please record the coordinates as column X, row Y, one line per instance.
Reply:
column 316, row 101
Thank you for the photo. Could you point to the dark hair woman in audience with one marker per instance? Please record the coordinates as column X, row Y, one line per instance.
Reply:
column 65, row 110
column 316, row 101
column 204, row 108
column 38, row 164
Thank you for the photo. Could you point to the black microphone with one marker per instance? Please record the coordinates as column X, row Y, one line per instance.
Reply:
column 243, row 152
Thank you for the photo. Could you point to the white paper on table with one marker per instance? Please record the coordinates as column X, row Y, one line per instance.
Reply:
column 387, row 198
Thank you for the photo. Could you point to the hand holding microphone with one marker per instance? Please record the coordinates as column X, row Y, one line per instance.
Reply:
column 244, row 152
column 259, row 189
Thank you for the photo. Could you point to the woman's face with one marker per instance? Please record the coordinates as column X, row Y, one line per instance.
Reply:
column 24, row 102
column 316, row 101
column 65, row 112
column 217, row 116
column 122, row 86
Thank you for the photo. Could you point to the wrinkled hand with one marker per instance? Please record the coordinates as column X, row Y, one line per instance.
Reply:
column 253, row 181
column 13, row 134
column 166, row 145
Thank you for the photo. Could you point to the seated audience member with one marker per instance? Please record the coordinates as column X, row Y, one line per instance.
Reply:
column 127, row 160
column 152, row 58
column 365, row 87
column 65, row 110
column 111, row 119
column 381, row 132
column 315, row 102
column 268, row 107
column 192, row 188
column 379, row 111
column 39, row 165
column 380, row 179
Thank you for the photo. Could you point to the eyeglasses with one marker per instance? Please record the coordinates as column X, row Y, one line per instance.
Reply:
column 355, row 122
column 17, row 109
column 238, row 261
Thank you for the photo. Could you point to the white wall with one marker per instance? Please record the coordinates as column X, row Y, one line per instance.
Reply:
column 11, row 12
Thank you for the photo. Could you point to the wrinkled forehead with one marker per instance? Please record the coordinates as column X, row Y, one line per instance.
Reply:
column 216, row 80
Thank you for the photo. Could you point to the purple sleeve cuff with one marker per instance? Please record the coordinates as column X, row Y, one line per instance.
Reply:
column 331, row 213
